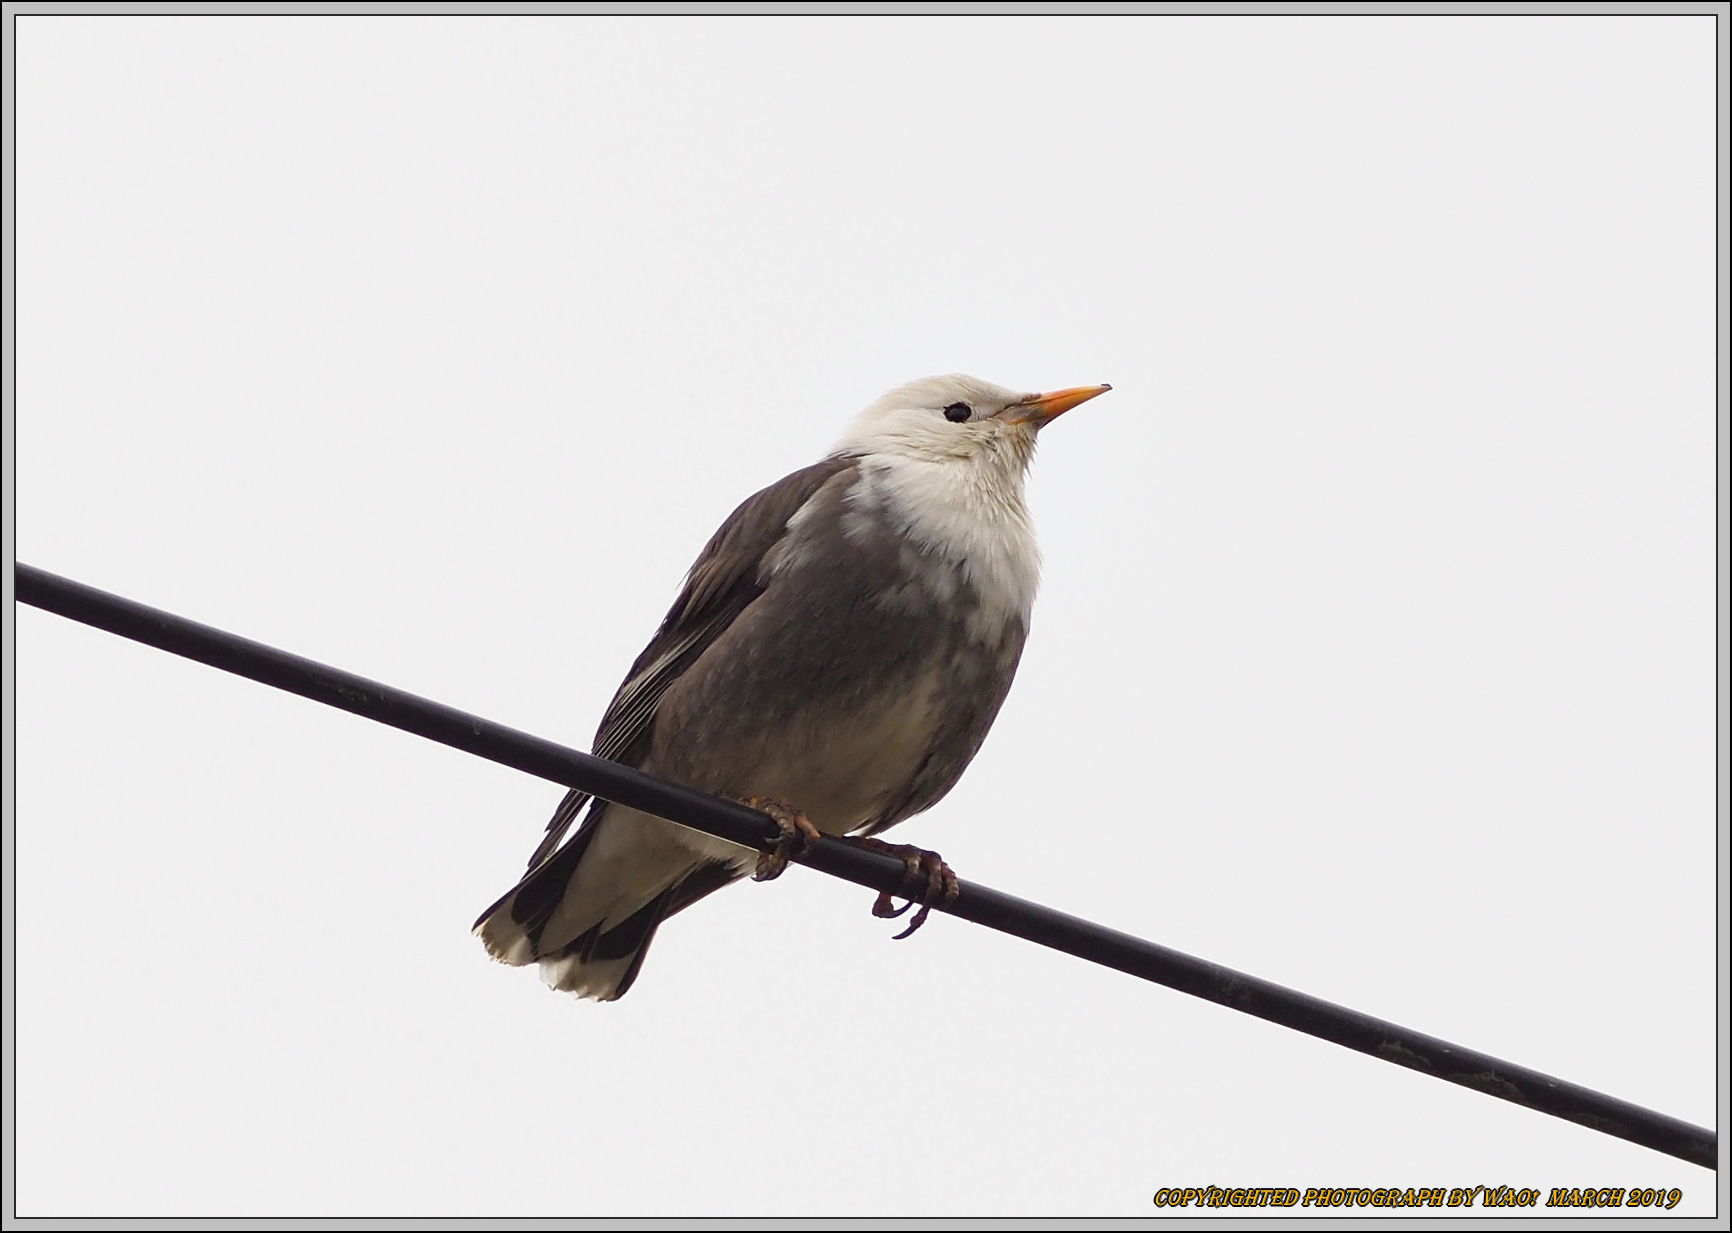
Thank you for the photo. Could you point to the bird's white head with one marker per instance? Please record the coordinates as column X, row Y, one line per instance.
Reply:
column 959, row 418
column 943, row 458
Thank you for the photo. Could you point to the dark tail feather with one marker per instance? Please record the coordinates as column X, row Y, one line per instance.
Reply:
column 595, row 964
column 604, row 965
column 539, row 891
column 557, row 825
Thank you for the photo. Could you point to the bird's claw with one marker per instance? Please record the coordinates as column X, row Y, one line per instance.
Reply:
column 797, row 832
column 886, row 906
column 929, row 882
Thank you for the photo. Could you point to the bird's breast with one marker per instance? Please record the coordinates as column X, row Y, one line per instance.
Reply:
column 870, row 653
column 952, row 537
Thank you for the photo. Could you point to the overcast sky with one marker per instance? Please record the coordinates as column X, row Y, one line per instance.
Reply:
column 1374, row 653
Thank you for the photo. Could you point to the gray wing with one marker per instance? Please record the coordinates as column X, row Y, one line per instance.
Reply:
column 723, row 581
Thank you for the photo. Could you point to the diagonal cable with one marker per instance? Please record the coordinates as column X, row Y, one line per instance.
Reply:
column 844, row 859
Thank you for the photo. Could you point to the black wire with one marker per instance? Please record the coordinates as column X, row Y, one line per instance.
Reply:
column 844, row 859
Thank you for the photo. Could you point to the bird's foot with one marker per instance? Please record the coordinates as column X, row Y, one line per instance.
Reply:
column 928, row 881
column 797, row 833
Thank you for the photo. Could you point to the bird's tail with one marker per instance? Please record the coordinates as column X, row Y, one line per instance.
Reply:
column 589, row 909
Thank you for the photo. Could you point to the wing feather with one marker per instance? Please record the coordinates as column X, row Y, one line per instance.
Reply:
column 722, row 583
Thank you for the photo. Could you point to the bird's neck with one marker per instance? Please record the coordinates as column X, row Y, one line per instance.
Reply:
column 966, row 513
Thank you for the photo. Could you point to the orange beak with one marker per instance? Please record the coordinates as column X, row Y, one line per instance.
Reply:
column 1046, row 408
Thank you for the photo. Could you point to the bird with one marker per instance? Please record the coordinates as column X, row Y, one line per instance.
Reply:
column 836, row 657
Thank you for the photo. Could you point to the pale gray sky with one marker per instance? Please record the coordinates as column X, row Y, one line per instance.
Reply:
column 1374, row 654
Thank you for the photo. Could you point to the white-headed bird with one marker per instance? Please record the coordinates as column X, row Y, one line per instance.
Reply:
column 836, row 657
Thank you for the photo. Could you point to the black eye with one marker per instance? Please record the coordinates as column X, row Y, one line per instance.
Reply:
column 956, row 412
